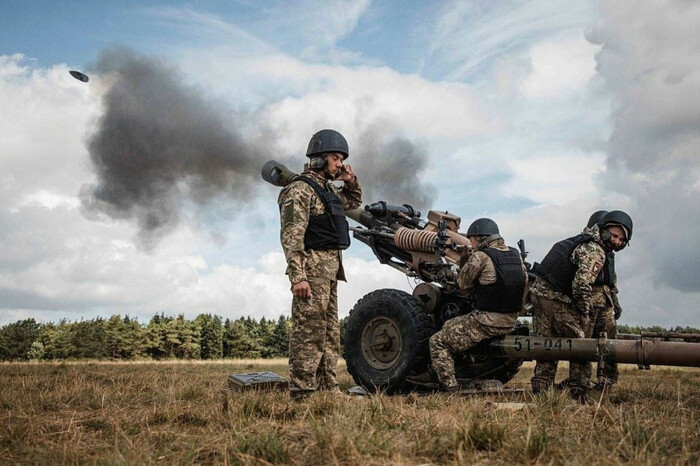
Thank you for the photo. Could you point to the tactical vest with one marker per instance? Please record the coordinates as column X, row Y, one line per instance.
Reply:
column 330, row 230
column 505, row 295
column 557, row 268
column 607, row 274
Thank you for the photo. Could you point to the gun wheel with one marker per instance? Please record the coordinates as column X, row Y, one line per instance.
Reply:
column 386, row 339
column 381, row 343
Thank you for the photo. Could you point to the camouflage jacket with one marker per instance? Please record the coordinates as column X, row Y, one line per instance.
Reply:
column 298, row 202
column 480, row 267
column 589, row 258
column 603, row 295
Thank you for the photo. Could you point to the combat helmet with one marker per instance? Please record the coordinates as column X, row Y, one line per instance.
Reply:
column 486, row 229
column 482, row 227
column 616, row 217
column 596, row 217
column 327, row 140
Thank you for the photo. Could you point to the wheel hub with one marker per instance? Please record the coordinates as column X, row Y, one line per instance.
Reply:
column 381, row 343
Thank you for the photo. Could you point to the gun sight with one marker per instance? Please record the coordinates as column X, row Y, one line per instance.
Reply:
column 382, row 210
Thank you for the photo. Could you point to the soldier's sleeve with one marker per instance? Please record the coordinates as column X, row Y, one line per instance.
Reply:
column 589, row 258
column 615, row 301
column 471, row 270
column 294, row 204
column 351, row 195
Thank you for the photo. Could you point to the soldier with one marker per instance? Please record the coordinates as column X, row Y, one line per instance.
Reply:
column 497, row 278
column 608, row 309
column 563, row 297
column 313, row 233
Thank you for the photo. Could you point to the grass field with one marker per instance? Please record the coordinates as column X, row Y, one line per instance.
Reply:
column 175, row 413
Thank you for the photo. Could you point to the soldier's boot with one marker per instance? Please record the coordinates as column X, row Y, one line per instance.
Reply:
column 603, row 384
column 540, row 385
column 579, row 393
column 427, row 379
column 301, row 395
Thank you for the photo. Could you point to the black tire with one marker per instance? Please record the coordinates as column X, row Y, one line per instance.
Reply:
column 407, row 328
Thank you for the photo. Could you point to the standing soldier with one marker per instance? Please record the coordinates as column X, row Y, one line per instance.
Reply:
column 313, row 233
column 497, row 278
column 563, row 295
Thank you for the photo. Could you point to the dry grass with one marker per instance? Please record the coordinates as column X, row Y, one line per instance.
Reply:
column 175, row 413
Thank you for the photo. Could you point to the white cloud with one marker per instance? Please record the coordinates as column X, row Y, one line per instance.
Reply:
column 559, row 67
column 554, row 179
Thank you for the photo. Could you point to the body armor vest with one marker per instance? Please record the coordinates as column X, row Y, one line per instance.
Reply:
column 607, row 275
column 505, row 295
column 556, row 267
column 330, row 230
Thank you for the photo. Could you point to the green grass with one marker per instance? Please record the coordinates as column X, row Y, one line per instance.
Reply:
column 176, row 413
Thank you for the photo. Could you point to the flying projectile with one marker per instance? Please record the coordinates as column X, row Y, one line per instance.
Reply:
column 79, row 76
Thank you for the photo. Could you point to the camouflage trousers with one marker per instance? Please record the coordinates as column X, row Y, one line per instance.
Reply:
column 314, row 342
column 605, row 323
column 458, row 335
column 552, row 318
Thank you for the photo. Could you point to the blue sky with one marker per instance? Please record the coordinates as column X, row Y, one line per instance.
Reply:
column 522, row 111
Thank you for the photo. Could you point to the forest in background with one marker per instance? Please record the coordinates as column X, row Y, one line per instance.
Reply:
column 165, row 337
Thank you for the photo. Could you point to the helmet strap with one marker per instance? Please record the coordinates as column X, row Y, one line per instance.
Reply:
column 485, row 240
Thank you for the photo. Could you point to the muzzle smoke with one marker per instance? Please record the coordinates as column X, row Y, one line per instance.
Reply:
column 161, row 147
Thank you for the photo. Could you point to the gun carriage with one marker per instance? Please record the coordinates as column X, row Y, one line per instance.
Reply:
column 388, row 330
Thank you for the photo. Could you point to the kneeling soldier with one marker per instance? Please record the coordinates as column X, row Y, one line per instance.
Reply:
column 497, row 278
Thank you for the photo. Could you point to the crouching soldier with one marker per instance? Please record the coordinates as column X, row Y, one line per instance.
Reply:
column 563, row 296
column 606, row 305
column 497, row 278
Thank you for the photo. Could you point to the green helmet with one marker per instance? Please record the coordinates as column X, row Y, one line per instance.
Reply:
column 327, row 140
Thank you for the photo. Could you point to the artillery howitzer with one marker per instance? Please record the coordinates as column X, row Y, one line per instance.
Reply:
column 387, row 331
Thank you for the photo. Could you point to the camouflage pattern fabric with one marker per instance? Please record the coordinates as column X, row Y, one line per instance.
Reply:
column 315, row 335
column 314, row 342
column 553, row 318
column 605, row 323
column 479, row 267
column 608, row 310
column 298, row 202
column 589, row 258
column 458, row 335
column 461, row 333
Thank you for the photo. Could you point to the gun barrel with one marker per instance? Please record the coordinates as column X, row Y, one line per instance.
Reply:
column 643, row 352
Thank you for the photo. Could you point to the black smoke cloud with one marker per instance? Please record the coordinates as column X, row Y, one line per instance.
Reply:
column 162, row 146
column 649, row 61
column 391, row 168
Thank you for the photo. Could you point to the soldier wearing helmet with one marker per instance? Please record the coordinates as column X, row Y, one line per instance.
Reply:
column 496, row 277
column 566, row 302
column 313, row 233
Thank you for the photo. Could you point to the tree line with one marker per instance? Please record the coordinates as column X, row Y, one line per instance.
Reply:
column 164, row 337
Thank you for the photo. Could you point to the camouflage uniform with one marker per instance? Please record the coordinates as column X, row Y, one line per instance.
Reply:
column 461, row 333
column 557, row 315
column 606, row 306
column 315, row 336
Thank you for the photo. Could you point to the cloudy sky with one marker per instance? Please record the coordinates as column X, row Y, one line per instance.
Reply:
column 139, row 192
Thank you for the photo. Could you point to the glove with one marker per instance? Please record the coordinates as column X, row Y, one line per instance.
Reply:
column 585, row 319
column 618, row 312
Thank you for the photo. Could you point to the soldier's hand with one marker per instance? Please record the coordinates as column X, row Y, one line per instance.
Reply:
column 346, row 174
column 618, row 312
column 302, row 290
column 585, row 319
